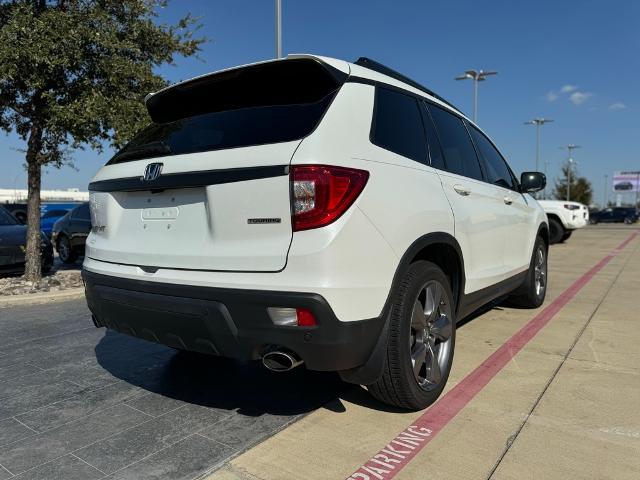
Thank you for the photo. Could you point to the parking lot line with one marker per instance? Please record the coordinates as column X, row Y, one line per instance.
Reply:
column 408, row 443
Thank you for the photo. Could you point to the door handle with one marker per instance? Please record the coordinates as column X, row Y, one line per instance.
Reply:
column 462, row 190
column 508, row 200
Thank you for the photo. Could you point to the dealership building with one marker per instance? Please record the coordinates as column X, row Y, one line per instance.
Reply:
column 10, row 195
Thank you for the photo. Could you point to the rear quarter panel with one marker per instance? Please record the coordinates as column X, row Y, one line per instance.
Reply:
column 403, row 199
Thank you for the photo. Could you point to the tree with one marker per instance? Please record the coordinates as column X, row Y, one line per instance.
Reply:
column 580, row 190
column 74, row 74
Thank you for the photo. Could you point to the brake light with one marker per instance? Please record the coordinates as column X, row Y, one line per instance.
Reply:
column 322, row 193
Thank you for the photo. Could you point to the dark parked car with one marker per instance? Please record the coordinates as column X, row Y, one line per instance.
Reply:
column 51, row 212
column 615, row 215
column 70, row 233
column 623, row 186
column 18, row 210
column 13, row 239
column 50, row 217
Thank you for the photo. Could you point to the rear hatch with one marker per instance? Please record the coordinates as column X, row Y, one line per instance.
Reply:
column 206, row 185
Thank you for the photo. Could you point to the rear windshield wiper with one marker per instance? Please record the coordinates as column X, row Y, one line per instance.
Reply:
column 143, row 151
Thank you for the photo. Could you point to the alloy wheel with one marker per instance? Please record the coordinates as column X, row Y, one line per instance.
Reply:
column 540, row 271
column 430, row 335
column 63, row 249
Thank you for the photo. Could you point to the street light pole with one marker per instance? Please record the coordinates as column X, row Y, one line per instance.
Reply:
column 278, row 28
column 571, row 147
column 604, row 193
column 538, row 122
column 476, row 76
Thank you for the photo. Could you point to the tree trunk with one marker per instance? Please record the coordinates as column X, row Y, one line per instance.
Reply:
column 33, row 267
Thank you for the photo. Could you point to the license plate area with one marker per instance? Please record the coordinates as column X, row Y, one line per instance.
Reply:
column 161, row 213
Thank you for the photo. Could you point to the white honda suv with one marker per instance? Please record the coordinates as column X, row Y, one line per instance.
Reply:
column 312, row 211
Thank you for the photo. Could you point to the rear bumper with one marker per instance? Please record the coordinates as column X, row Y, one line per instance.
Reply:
column 228, row 322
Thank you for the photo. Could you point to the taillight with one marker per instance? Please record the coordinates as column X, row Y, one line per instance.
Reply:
column 322, row 193
column 292, row 317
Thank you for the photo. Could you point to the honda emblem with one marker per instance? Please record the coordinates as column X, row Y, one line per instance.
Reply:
column 152, row 172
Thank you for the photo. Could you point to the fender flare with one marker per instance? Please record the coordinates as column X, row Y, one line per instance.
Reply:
column 371, row 370
column 543, row 231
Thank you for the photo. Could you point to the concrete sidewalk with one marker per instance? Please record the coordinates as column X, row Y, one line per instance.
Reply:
column 566, row 406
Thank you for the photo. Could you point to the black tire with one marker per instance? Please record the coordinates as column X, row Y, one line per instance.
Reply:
column 412, row 306
column 531, row 294
column 65, row 251
column 556, row 231
column 566, row 235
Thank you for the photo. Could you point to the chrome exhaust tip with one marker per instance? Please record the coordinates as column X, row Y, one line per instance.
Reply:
column 278, row 361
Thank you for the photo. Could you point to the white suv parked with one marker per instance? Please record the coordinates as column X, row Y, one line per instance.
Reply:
column 564, row 217
column 310, row 210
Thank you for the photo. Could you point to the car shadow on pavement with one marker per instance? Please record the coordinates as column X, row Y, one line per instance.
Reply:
column 226, row 384
column 220, row 383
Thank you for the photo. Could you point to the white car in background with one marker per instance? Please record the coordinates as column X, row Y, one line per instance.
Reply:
column 564, row 218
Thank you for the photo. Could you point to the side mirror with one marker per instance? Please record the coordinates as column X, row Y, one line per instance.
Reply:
column 531, row 182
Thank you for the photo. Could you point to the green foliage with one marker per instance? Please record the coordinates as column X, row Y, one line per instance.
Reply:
column 79, row 69
column 580, row 190
column 74, row 73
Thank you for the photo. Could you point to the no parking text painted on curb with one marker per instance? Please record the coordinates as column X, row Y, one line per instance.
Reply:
column 407, row 444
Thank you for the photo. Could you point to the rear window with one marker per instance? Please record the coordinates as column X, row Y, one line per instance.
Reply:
column 81, row 213
column 261, row 104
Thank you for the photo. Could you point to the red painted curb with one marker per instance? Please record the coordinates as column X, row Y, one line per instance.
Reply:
column 408, row 443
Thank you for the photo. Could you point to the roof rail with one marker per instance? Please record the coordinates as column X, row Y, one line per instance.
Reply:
column 380, row 68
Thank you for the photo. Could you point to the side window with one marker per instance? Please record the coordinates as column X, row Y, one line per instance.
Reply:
column 397, row 125
column 459, row 154
column 435, row 152
column 497, row 170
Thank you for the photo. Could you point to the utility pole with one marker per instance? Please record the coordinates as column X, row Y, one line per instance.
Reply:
column 538, row 122
column 605, row 193
column 278, row 28
column 571, row 147
column 476, row 76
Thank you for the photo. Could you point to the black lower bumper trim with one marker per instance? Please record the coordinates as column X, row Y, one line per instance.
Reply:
column 228, row 322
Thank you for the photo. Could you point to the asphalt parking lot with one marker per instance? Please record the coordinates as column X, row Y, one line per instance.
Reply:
column 546, row 393
column 78, row 402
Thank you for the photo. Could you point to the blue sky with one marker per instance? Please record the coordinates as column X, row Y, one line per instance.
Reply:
column 576, row 62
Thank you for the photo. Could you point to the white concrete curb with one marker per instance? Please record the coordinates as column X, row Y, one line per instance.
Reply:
column 46, row 297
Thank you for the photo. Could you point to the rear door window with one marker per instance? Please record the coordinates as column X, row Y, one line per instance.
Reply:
column 397, row 125
column 459, row 155
column 495, row 166
column 261, row 104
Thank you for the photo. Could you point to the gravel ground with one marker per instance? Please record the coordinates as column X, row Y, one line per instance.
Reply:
column 61, row 277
